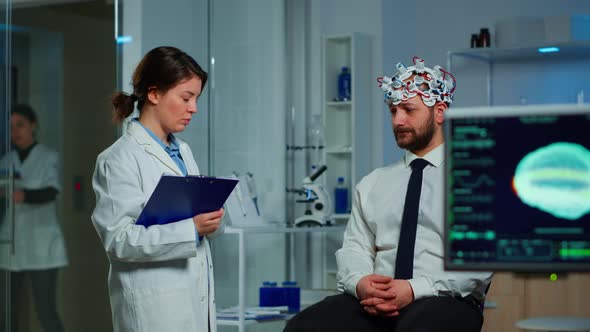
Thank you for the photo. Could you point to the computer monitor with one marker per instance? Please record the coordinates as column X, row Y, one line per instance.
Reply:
column 517, row 188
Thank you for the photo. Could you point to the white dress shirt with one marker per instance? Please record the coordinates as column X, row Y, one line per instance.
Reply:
column 372, row 234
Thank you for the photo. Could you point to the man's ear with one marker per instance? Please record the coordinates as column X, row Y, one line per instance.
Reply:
column 439, row 112
column 153, row 95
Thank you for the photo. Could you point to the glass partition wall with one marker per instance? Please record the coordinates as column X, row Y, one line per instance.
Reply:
column 249, row 106
column 6, row 174
column 239, row 126
column 58, row 61
column 65, row 58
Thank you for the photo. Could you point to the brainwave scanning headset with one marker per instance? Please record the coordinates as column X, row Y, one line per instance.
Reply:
column 433, row 85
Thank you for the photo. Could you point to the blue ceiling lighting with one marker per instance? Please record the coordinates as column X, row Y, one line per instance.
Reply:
column 548, row 49
column 124, row 39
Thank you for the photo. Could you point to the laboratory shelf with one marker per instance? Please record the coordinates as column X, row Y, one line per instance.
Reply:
column 229, row 322
column 339, row 150
column 339, row 104
column 497, row 55
column 248, row 322
column 241, row 232
column 340, row 216
column 346, row 124
column 530, row 52
column 283, row 229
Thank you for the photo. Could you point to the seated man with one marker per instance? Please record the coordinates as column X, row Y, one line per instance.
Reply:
column 390, row 266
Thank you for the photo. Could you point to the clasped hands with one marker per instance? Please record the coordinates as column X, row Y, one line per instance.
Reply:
column 384, row 296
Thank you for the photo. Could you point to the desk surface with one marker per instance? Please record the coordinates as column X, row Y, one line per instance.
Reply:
column 555, row 323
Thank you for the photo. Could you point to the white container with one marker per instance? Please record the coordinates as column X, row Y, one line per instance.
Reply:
column 537, row 31
column 561, row 29
column 519, row 31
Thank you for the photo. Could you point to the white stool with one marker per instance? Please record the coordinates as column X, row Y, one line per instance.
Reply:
column 556, row 323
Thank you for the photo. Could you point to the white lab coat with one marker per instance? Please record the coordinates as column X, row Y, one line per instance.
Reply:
column 38, row 239
column 159, row 279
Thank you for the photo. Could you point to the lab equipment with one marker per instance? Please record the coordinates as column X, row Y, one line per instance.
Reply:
column 252, row 313
column 269, row 295
column 291, row 296
column 252, row 189
column 340, row 197
column 475, row 40
column 239, row 196
column 484, row 37
column 319, row 200
column 241, row 206
column 344, row 85
column 316, row 140
column 432, row 85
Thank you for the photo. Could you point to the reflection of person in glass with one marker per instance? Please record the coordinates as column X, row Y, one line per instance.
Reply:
column 39, row 248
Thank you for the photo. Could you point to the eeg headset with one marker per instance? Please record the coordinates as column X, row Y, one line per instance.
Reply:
column 433, row 85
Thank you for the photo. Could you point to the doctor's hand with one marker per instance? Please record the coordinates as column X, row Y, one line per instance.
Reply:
column 207, row 223
column 18, row 196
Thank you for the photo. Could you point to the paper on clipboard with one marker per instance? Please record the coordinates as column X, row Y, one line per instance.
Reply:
column 177, row 198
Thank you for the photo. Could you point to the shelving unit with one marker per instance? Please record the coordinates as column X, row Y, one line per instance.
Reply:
column 346, row 125
column 493, row 56
column 241, row 232
column 529, row 52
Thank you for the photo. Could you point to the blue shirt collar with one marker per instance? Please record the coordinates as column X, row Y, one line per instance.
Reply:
column 172, row 150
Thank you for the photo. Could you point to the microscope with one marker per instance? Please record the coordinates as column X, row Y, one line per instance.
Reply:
column 319, row 200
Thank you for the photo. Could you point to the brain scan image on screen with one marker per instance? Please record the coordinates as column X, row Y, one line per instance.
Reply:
column 555, row 179
column 518, row 197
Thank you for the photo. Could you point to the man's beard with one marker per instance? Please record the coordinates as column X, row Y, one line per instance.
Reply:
column 418, row 141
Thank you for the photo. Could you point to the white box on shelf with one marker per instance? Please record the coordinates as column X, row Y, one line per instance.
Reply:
column 559, row 29
column 514, row 31
column 527, row 31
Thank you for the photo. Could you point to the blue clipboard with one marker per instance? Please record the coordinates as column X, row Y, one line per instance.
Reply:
column 177, row 198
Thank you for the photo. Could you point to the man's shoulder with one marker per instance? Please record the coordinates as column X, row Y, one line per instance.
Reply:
column 381, row 173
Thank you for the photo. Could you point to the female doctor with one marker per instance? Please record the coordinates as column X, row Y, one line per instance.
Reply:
column 39, row 248
column 161, row 277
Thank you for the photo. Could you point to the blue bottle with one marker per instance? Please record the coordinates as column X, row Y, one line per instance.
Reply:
column 341, row 197
column 269, row 294
column 344, row 85
column 291, row 296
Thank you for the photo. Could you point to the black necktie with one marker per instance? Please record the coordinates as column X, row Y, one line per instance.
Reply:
column 404, row 262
